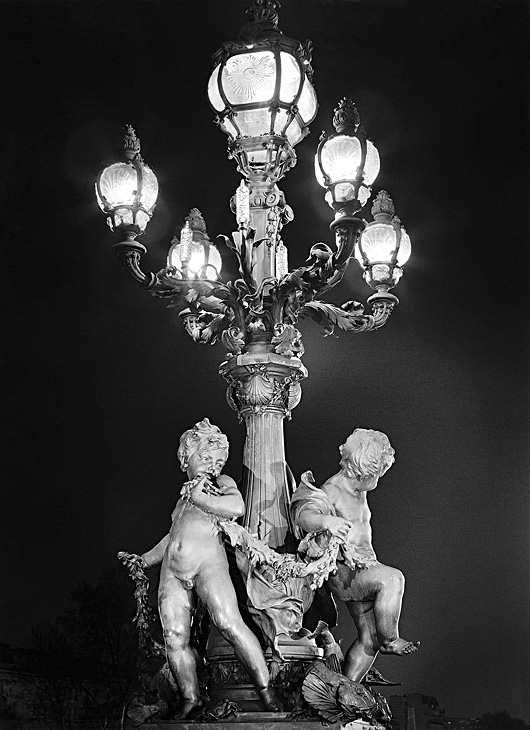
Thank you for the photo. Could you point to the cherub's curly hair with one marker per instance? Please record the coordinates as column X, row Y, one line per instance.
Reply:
column 202, row 436
column 367, row 453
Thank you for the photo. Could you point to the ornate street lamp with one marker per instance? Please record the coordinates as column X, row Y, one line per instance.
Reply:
column 347, row 162
column 263, row 98
column 261, row 90
column 127, row 190
column 383, row 248
column 193, row 255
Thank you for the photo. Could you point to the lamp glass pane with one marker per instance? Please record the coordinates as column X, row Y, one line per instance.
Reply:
column 404, row 248
column 341, row 157
column 344, row 192
column 307, row 104
column 118, row 184
column 249, row 77
column 280, row 121
column 290, row 78
column 197, row 256
column 123, row 216
column 253, row 122
column 378, row 243
column 294, row 133
column 149, row 189
column 142, row 219
column 214, row 259
column 228, row 128
column 372, row 164
column 213, row 91
column 100, row 200
column 363, row 195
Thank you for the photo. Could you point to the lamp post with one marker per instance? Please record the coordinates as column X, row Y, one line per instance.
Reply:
column 262, row 95
column 264, row 100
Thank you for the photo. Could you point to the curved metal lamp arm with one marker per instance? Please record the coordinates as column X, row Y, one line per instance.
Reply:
column 130, row 253
column 347, row 230
column 349, row 317
column 383, row 303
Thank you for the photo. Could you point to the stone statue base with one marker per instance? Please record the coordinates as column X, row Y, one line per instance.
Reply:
column 260, row 721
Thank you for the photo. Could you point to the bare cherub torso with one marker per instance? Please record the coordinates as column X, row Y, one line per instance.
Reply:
column 352, row 505
column 194, row 541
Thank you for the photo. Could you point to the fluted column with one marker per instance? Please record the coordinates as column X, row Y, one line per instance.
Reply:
column 263, row 388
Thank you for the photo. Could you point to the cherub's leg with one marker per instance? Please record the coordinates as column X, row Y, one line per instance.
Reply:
column 215, row 588
column 362, row 653
column 175, row 605
column 386, row 586
column 375, row 604
column 387, row 610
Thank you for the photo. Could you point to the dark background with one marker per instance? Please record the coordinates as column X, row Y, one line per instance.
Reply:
column 102, row 380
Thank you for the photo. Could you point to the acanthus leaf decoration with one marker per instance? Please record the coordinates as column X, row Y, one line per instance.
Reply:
column 287, row 340
column 349, row 319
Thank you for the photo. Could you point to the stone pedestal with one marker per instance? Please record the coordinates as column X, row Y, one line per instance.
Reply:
column 252, row 721
column 229, row 681
column 261, row 721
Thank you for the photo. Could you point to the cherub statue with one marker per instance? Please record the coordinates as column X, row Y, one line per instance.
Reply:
column 339, row 512
column 194, row 563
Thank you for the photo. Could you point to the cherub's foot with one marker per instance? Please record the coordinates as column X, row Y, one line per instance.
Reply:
column 188, row 709
column 399, row 646
column 269, row 699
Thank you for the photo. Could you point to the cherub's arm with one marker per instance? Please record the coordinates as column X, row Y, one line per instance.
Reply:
column 313, row 509
column 312, row 520
column 155, row 555
column 223, row 500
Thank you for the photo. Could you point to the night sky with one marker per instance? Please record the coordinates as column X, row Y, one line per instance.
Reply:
column 101, row 379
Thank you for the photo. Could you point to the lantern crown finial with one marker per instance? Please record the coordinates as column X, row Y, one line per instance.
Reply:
column 383, row 207
column 346, row 117
column 264, row 11
column 128, row 146
column 196, row 220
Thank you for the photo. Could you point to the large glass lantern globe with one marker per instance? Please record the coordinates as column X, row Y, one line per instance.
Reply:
column 262, row 94
column 384, row 246
column 193, row 255
column 127, row 191
column 347, row 163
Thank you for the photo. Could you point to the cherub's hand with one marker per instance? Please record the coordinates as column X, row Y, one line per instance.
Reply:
column 337, row 526
column 201, row 488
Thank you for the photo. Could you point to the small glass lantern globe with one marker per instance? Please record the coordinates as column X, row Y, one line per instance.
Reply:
column 192, row 255
column 127, row 190
column 262, row 94
column 347, row 162
column 384, row 246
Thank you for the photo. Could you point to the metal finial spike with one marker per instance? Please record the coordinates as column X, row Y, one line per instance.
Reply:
column 383, row 206
column 129, row 144
column 346, row 117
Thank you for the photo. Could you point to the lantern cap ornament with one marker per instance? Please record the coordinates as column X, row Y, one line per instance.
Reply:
column 264, row 11
column 346, row 119
column 128, row 145
column 383, row 207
